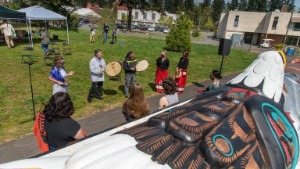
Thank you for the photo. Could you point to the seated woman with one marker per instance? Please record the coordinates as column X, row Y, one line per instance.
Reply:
column 171, row 97
column 58, row 125
column 136, row 105
column 215, row 77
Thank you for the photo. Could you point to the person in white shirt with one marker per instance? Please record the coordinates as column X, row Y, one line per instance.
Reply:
column 8, row 33
column 97, row 69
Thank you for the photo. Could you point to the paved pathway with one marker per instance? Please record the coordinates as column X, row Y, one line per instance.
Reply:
column 26, row 147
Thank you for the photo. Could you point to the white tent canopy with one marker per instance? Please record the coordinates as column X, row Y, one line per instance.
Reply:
column 40, row 13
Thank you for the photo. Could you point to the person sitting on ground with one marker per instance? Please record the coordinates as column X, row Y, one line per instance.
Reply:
column 171, row 97
column 58, row 125
column 136, row 105
column 215, row 77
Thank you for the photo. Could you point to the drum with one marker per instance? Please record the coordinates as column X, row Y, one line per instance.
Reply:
column 142, row 66
column 113, row 68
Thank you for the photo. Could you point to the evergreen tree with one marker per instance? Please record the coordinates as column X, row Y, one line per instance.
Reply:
column 179, row 38
column 252, row 5
column 228, row 6
column 262, row 6
column 243, row 5
column 291, row 5
column 234, row 4
column 209, row 25
column 274, row 4
column 218, row 7
column 206, row 3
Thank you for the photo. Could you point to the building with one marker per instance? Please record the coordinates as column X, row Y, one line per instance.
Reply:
column 282, row 27
column 147, row 18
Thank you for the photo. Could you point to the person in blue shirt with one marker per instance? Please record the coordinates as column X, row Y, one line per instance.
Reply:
column 59, row 76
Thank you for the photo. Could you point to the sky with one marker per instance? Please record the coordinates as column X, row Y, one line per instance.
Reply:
column 297, row 3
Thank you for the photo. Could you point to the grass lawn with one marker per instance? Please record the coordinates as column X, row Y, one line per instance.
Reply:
column 15, row 95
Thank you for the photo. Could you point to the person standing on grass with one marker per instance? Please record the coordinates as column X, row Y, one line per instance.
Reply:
column 136, row 105
column 97, row 69
column 59, row 76
column 45, row 41
column 105, row 32
column 171, row 96
column 181, row 72
column 8, row 31
column 92, row 34
column 114, row 36
column 162, row 64
column 129, row 66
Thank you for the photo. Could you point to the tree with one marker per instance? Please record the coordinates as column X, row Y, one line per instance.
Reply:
column 209, row 25
column 132, row 4
column 218, row 7
column 228, row 6
column 252, row 5
column 179, row 38
column 274, row 4
column 262, row 6
column 291, row 5
column 206, row 3
column 243, row 5
column 234, row 4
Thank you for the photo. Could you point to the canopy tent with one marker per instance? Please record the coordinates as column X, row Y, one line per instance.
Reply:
column 40, row 13
column 6, row 13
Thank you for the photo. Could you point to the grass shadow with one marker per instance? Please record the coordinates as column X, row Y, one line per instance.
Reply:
column 109, row 92
column 121, row 88
column 198, row 84
column 152, row 85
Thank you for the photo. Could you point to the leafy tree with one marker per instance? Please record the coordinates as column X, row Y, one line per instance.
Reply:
column 252, row 5
column 218, row 7
column 179, row 38
column 291, row 5
column 165, row 21
column 132, row 4
column 234, row 4
column 243, row 5
column 262, row 5
column 209, row 25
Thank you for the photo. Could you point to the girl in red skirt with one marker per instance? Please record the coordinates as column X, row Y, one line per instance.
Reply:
column 181, row 72
column 162, row 64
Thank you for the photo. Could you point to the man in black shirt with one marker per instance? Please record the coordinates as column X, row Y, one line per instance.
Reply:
column 105, row 32
column 129, row 65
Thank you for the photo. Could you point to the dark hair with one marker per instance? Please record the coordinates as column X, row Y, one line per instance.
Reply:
column 186, row 53
column 169, row 85
column 128, row 54
column 59, row 106
column 216, row 74
column 4, row 21
column 97, row 50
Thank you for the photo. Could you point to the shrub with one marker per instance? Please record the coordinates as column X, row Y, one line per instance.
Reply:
column 179, row 38
column 279, row 46
column 195, row 33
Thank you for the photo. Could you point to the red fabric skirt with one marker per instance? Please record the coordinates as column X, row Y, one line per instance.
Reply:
column 181, row 81
column 161, row 74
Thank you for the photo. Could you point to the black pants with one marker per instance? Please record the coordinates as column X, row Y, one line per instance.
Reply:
column 96, row 89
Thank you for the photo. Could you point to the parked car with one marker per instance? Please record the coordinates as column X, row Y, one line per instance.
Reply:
column 134, row 27
column 166, row 30
column 151, row 28
column 143, row 28
column 266, row 43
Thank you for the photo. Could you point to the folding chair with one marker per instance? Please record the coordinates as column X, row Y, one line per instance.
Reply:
column 49, row 60
column 67, row 50
column 27, row 56
column 54, row 49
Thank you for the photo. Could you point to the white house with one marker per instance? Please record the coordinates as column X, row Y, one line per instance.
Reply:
column 86, row 12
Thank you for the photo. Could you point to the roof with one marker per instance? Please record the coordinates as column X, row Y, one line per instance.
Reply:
column 6, row 13
column 40, row 13
column 122, row 8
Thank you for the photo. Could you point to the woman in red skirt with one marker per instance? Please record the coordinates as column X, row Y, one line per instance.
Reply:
column 181, row 72
column 162, row 64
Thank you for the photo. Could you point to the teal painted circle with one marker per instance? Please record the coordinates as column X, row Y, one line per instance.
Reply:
column 229, row 143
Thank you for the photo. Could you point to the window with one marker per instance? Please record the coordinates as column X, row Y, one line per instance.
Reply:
column 153, row 16
column 275, row 22
column 136, row 16
column 236, row 21
column 145, row 16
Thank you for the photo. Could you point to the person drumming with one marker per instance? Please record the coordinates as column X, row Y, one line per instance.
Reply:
column 97, row 69
column 136, row 105
column 162, row 65
column 171, row 96
column 181, row 71
column 59, row 76
column 129, row 65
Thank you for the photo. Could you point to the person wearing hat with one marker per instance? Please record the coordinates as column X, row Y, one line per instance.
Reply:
column 59, row 76
column 45, row 40
column 8, row 31
column 97, row 69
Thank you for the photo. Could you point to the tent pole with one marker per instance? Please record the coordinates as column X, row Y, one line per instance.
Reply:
column 68, row 31
column 30, row 33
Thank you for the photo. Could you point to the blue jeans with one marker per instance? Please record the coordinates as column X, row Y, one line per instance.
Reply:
column 104, row 37
column 44, row 47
